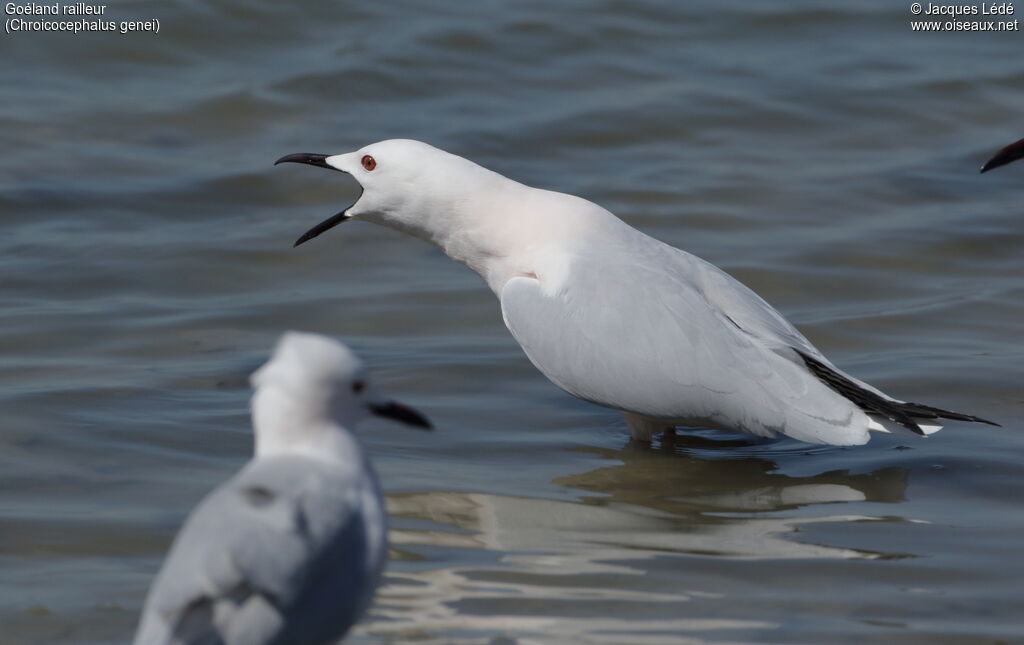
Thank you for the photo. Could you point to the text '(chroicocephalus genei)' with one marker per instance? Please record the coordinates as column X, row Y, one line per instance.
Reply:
column 614, row 316
column 1010, row 153
column 292, row 548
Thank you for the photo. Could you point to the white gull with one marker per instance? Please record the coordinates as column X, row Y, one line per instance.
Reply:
column 291, row 549
column 614, row 316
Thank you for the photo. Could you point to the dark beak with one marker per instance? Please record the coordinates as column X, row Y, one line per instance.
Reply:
column 309, row 158
column 402, row 414
column 316, row 159
column 1012, row 152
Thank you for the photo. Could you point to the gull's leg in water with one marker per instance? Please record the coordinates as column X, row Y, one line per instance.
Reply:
column 643, row 428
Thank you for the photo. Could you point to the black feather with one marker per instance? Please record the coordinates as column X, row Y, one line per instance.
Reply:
column 1010, row 153
column 901, row 413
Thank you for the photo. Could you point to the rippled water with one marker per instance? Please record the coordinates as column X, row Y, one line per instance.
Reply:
column 822, row 153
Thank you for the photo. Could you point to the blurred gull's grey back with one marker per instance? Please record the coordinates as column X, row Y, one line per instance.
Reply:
column 291, row 549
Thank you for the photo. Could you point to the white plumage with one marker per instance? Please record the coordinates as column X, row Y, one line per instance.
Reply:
column 614, row 316
column 291, row 549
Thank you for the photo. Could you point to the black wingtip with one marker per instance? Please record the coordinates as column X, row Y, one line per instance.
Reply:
column 929, row 412
column 905, row 414
column 1009, row 154
column 862, row 398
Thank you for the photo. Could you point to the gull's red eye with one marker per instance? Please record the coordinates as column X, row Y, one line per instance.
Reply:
column 369, row 162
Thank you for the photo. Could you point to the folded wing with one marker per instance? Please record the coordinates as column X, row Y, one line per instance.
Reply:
column 251, row 557
column 646, row 338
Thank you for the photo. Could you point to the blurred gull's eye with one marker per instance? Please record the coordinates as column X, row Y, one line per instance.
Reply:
column 369, row 162
column 358, row 387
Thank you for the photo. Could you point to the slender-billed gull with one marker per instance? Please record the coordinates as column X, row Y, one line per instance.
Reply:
column 1012, row 152
column 614, row 316
column 291, row 549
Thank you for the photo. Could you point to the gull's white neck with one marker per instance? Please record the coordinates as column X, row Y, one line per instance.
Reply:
column 284, row 425
column 488, row 234
column 501, row 228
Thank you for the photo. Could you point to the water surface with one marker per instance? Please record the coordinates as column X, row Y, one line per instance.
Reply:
column 822, row 153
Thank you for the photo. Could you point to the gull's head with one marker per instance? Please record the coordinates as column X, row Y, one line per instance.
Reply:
column 403, row 183
column 313, row 382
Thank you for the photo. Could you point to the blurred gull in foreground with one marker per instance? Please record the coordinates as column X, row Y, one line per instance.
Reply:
column 614, row 316
column 1010, row 153
column 292, row 548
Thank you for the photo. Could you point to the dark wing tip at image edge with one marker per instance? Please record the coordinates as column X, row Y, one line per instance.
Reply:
column 1009, row 154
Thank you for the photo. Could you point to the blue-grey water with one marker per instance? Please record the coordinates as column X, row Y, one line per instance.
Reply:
column 821, row 152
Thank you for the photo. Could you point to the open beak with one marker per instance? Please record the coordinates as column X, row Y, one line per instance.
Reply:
column 401, row 413
column 1012, row 152
column 317, row 159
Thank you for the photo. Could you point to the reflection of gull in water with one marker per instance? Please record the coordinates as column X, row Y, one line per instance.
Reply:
column 582, row 538
column 661, row 480
column 594, row 570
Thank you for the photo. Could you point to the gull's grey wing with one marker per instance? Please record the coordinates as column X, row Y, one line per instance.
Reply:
column 755, row 316
column 745, row 308
column 644, row 338
column 259, row 550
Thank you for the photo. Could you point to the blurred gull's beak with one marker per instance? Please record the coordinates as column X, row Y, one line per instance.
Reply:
column 401, row 413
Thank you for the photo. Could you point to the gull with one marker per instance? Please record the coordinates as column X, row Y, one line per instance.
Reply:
column 291, row 549
column 614, row 316
column 1012, row 152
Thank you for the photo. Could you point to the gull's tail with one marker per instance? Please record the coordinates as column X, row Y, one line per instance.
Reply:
column 900, row 412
